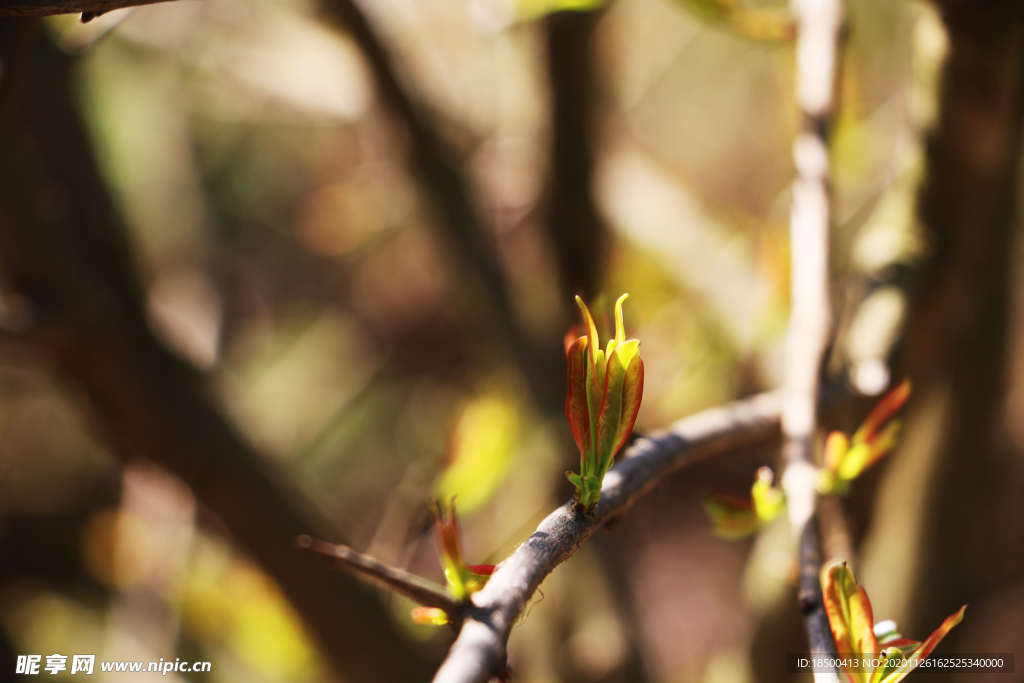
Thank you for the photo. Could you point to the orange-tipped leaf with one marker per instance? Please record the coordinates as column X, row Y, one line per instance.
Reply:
column 883, row 411
column 849, row 616
column 925, row 648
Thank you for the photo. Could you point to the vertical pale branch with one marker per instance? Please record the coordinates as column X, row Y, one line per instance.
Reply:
column 818, row 23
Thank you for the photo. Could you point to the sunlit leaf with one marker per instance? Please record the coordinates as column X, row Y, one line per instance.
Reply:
column 768, row 500
column 849, row 616
column 924, row 649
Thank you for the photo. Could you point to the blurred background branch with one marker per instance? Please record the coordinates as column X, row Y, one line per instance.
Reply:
column 74, row 270
column 807, row 338
column 43, row 8
column 435, row 165
column 576, row 229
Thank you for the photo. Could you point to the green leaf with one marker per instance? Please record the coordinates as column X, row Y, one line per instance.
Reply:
column 610, row 416
column 594, row 380
column 620, row 327
column 768, row 501
column 632, row 395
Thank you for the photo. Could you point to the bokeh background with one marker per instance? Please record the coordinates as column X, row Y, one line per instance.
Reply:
column 246, row 294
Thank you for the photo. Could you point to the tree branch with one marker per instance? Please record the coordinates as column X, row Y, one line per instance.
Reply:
column 479, row 652
column 414, row 587
column 573, row 224
column 45, row 8
column 818, row 23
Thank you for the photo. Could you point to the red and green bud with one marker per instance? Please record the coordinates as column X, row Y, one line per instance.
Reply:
column 846, row 459
column 736, row 517
column 852, row 623
column 463, row 579
column 603, row 399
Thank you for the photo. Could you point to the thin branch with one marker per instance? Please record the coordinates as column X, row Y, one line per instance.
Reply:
column 416, row 588
column 479, row 652
column 818, row 23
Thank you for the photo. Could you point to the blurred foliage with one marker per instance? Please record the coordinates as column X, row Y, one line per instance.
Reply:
column 484, row 444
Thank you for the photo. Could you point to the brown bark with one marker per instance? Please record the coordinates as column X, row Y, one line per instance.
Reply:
column 44, row 8
column 958, row 334
column 573, row 224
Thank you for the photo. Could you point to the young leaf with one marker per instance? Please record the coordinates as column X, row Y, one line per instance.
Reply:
column 924, row 649
column 576, row 397
column 849, row 617
column 732, row 517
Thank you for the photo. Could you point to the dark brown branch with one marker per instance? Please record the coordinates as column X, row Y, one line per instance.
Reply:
column 45, row 8
column 479, row 652
column 577, row 232
column 63, row 249
column 964, row 317
column 414, row 587
column 434, row 165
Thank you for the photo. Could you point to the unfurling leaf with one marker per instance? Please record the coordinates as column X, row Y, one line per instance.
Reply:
column 846, row 459
column 735, row 517
column 850, row 619
column 605, row 387
column 463, row 579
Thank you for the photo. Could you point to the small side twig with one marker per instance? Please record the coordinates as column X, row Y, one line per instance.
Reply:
column 416, row 588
